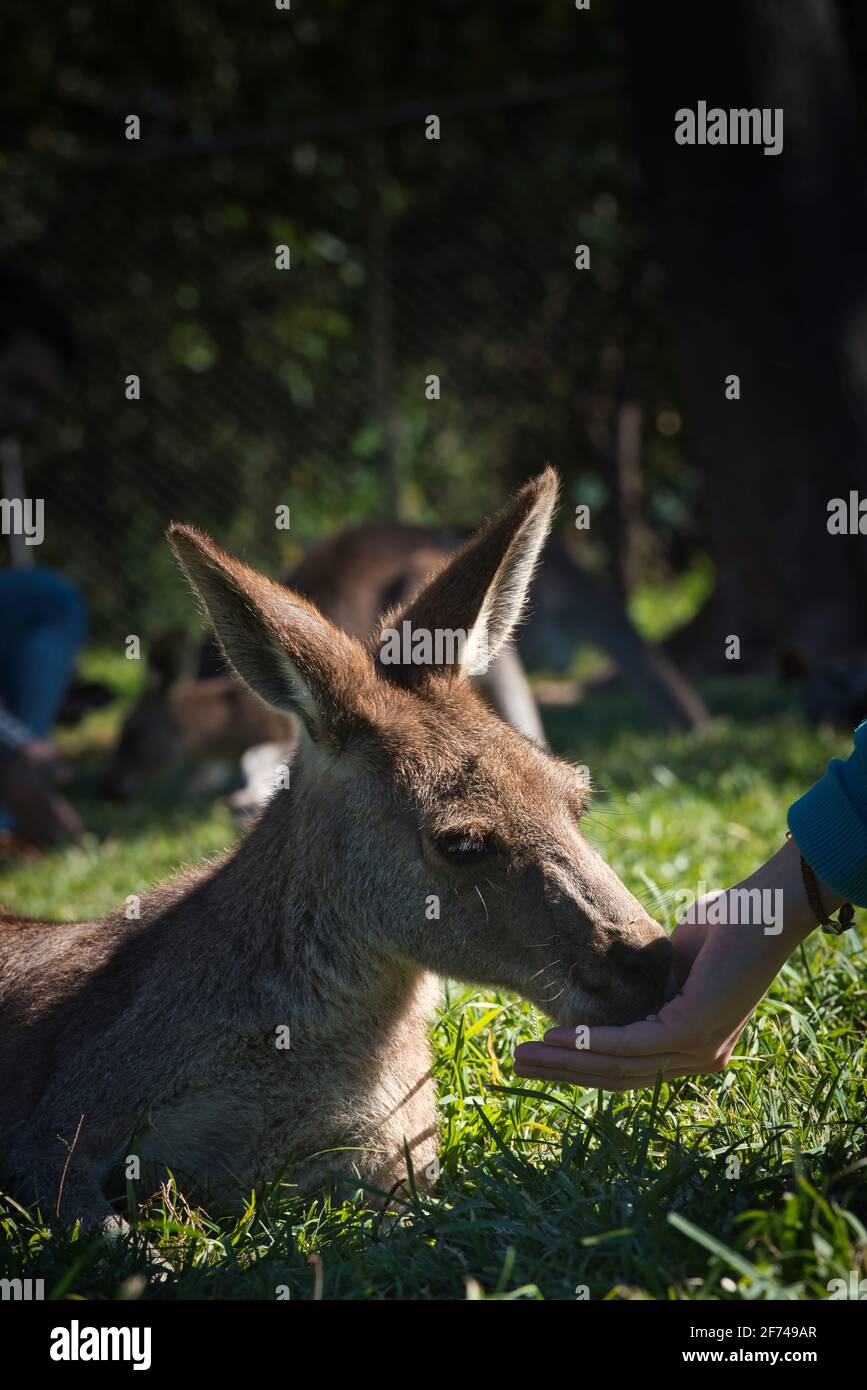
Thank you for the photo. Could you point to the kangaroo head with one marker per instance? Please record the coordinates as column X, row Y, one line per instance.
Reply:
column 447, row 839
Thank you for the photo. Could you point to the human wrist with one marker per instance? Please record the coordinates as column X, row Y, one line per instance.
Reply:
column 782, row 874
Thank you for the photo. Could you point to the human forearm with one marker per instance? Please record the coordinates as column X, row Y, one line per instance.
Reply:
column 782, row 874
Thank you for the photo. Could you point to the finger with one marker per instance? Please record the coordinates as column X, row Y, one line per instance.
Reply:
column 594, row 1083
column 597, row 1063
column 644, row 1039
column 597, row 1082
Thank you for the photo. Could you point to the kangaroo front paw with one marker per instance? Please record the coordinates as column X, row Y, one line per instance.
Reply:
column 116, row 1228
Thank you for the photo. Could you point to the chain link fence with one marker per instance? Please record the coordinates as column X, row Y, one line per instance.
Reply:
column 431, row 344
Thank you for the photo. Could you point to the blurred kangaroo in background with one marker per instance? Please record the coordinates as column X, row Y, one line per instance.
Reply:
column 268, row 1014
column 191, row 708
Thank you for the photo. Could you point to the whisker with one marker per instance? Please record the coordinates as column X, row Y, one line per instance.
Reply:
column 496, row 887
column 607, row 828
column 550, row 966
column 549, row 941
column 552, row 998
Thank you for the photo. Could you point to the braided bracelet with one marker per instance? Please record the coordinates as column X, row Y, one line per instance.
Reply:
column 846, row 915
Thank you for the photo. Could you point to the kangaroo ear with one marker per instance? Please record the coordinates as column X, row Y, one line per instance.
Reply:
column 480, row 593
column 280, row 644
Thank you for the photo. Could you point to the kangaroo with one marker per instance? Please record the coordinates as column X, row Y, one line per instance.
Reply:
column 420, row 836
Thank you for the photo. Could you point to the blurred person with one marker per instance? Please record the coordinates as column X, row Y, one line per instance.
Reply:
column 42, row 616
column 725, row 964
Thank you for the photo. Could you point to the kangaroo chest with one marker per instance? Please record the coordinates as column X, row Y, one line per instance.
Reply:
column 273, row 1107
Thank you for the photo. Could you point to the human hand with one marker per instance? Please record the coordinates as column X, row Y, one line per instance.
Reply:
column 43, row 757
column 726, row 965
column 27, row 787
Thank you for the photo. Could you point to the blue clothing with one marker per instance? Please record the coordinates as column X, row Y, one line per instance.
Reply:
column 42, row 625
column 829, row 823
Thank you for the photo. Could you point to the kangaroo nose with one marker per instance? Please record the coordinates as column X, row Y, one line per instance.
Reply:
column 648, row 966
column 676, row 977
column 658, row 962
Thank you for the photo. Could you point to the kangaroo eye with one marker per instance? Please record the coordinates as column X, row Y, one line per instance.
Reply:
column 460, row 847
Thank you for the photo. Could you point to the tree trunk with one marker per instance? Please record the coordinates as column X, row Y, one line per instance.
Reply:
column 768, row 281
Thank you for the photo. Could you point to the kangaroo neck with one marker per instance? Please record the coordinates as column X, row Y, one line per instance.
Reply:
column 306, row 940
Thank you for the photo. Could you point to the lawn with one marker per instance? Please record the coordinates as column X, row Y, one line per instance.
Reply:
column 744, row 1185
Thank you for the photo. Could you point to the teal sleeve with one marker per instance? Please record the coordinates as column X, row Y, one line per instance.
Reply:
column 829, row 823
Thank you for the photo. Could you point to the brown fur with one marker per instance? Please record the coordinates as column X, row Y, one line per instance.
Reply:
column 160, row 1032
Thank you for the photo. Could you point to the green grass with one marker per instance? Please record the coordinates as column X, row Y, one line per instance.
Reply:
column 544, row 1188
